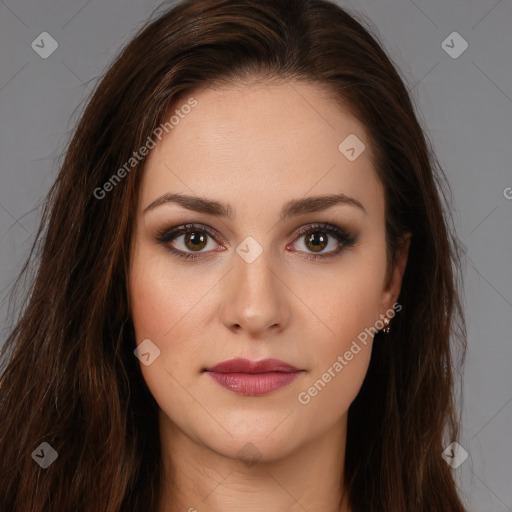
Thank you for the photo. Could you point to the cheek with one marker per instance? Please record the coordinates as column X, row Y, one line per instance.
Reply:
column 164, row 309
column 345, row 307
column 342, row 351
column 328, row 394
column 163, row 299
column 162, row 306
column 342, row 300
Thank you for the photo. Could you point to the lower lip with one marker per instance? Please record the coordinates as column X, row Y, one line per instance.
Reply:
column 254, row 384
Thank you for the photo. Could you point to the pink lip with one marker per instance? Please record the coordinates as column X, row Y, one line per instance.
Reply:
column 253, row 378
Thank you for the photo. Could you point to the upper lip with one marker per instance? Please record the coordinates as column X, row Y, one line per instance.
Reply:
column 241, row 365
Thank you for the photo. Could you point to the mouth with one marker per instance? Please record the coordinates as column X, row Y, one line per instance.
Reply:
column 253, row 378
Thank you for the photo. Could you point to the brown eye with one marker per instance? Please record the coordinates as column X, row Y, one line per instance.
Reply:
column 188, row 241
column 191, row 241
column 316, row 241
column 319, row 237
column 195, row 240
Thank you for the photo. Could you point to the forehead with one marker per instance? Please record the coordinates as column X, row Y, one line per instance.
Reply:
column 260, row 141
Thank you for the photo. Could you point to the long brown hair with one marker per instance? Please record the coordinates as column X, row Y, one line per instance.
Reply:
column 70, row 377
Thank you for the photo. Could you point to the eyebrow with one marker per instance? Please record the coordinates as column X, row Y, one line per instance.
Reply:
column 292, row 208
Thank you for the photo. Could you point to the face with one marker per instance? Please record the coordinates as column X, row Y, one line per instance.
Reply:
column 278, row 275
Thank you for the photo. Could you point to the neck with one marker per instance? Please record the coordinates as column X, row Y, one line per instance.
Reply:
column 195, row 478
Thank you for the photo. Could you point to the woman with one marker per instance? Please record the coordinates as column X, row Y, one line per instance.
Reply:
column 302, row 359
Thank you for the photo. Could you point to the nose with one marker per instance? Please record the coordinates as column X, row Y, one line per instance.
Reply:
column 255, row 298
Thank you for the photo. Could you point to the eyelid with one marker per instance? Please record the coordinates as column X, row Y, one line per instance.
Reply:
column 167, row 234
column 330, row 229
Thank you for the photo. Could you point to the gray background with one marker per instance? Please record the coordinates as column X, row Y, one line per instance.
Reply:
column 465, row 103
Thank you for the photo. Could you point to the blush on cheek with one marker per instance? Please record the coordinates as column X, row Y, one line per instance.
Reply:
column 155, row 308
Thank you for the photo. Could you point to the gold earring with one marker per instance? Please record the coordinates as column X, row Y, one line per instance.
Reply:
column 386, row 323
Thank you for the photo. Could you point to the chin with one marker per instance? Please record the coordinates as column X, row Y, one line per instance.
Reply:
column 249, row 439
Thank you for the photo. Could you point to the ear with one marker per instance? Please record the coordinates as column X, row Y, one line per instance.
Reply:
column 392, row 290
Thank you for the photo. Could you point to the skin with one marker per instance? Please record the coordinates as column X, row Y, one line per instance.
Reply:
column 256, row 147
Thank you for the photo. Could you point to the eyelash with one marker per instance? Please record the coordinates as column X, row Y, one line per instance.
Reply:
column 345, row 239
